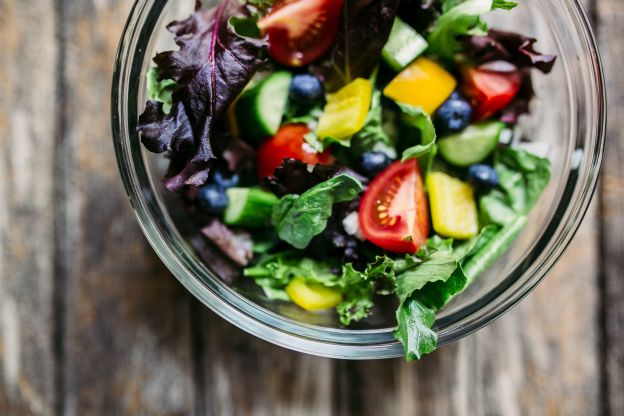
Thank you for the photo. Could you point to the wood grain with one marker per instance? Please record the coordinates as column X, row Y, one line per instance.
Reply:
column 610, row 14
column 247, row 376
column 127, row 343
column 28, row 72
column 92, row 323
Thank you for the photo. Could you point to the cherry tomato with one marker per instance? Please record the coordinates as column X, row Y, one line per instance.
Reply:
column 301, row 31
column 288, row 143
column 489, row 91
column 394, row 214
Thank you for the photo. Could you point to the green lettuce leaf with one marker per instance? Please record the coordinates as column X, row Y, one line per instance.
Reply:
column 246, row 26
column 372, row 136
column 425, row 151
column 274, row 272
column 357, row 290
column 437, row 267
column 298, row 218
column 160, row 91
column 491, row 247
column 414, row 329
column 523, row 178
column 461, row 18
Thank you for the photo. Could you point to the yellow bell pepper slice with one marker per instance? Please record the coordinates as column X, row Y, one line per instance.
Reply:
column 312, row 296
column 423, row 84
column 453, row 206
column 346, row 110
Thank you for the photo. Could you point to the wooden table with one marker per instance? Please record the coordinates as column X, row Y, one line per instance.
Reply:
column 92, row 323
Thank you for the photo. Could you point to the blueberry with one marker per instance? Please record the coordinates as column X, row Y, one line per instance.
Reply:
column 225, row 179
column 212, row 199
column 454, row 115
column 483, row 175
column 306, row 89
column 374, row 162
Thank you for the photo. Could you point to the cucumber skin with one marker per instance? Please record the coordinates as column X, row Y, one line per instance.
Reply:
column 495, row 248
column 256, row 209
column 248, row 109
column 447, row 146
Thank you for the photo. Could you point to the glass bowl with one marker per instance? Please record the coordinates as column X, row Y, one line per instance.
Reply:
column 567, row 124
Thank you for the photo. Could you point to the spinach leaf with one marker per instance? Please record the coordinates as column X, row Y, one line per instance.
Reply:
column 365, row 22
column 298, row 218
column 523, row 177
column 160, row 91
column 459, row 19
column 414, row 329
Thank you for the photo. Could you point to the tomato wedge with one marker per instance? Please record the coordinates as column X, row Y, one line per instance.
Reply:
column 301, row 31
column 288, row 143
column 394, row 214
column 489, row 91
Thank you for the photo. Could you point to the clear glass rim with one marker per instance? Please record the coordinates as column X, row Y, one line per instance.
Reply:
column 334, row 343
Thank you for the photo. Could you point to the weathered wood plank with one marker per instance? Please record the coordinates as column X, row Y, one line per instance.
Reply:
column 28, row 109
column 610, row 15
column 127, row 344
column 247, row 376
column 543, row 357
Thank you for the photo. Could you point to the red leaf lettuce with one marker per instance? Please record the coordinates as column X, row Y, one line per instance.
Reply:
column 211, row 68
column 365, row 29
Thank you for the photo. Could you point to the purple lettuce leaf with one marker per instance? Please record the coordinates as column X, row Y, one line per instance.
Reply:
column 365, row 29
column 211, row 68
column 183, row 173
column 296, row 177
column 222, row 266
column 512, row 47
column 237, row 245
column 162, row 132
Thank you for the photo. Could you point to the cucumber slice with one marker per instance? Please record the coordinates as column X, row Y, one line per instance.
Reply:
column 472, row 145
column 260, row 109
column 249, row 207
column 403, row 46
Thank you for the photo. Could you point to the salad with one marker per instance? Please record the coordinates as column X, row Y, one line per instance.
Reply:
column 340, row 151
